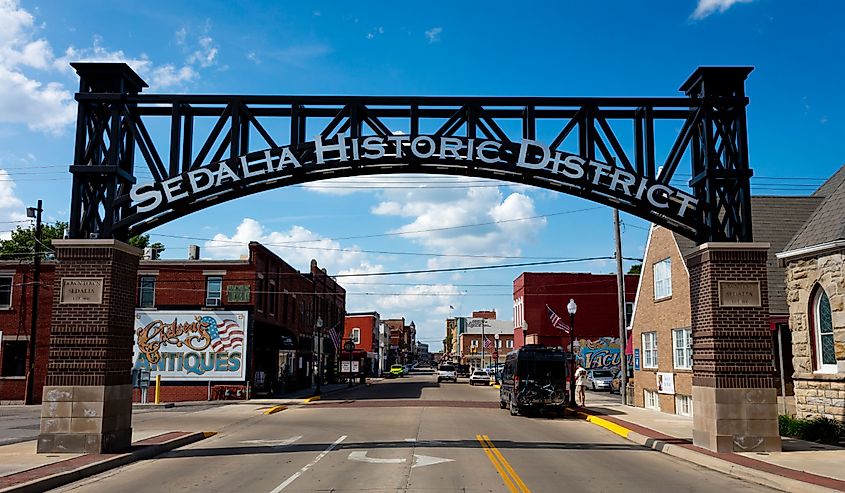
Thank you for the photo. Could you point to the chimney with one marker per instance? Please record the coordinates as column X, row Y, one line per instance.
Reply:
column 193, row 252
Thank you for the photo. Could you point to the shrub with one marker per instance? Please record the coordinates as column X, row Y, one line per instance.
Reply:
column 818, row 429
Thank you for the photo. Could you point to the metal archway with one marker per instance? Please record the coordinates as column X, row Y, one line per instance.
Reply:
column 210, row 149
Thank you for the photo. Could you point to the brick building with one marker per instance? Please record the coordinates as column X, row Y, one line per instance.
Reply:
column 403, row 340
column 661, row 327
column 474, row 331
column 282, row 306
column 16, row 289
column 597, row 318
column 363, row 329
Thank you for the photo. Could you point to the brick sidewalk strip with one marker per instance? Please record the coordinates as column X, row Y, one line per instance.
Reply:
column 659, row 441
column 60, row 473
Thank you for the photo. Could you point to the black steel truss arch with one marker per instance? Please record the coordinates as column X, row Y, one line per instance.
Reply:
column 142, row 160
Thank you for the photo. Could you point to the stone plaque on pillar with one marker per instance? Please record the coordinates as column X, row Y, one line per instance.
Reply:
column 87, row 401
column 734, row 396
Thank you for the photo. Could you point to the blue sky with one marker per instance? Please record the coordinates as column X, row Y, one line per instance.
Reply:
column 612, row 48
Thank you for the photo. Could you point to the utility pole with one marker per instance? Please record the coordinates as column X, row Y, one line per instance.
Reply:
column 620, row 295
column 482, row 343
column 36, row 287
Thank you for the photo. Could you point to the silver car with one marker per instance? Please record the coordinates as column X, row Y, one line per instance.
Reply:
column 600, row 379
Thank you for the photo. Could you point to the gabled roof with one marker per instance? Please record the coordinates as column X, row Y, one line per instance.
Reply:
column 774, row 220
column 831, row 183
column 827, row 224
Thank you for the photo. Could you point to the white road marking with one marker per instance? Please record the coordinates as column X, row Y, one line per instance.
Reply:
column 427, row 460
column 361, row 456
column 273, row 443
column 311, row 464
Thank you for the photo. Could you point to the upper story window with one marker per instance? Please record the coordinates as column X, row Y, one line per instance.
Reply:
column 823, row 332
column 5, row 292
column 213, row 291
column 650, row 350
column 147, row 292
column 356, row 335
column 662, row 279
column 682, row 348
column 474, row 343
column 629, row 312
column 509, row 343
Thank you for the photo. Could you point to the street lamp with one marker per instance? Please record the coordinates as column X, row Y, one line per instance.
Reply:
column 571, row 307
column 319, row 326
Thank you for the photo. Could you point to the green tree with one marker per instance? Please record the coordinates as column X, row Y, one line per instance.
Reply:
column 143, row 241
column 22, row 242
column 636, row 269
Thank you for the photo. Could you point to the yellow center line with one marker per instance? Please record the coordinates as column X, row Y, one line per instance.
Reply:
column 514, row 475
column 498, row 466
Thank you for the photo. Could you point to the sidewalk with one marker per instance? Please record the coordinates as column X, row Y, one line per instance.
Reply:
column 801, row 466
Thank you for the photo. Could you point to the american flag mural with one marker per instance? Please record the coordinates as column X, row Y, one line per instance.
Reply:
column 224, row 336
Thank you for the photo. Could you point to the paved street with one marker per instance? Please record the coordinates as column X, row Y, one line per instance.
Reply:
column 410, row 434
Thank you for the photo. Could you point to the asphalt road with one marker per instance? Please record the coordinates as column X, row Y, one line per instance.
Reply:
column 411, row 434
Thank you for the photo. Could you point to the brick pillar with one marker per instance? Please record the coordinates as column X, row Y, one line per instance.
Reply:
column 87, row 399
column 734, row 396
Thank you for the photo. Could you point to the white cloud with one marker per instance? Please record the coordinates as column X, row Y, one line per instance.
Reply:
column 297, row 247
column 708, row 7
column 27, row 61
column 40, row 106
column 11, row 206
column 435, row 210
column 433, row 34
column 206, row 54
column 253, row 57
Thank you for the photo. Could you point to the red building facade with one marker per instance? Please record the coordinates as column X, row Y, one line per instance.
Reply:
column 16, row 290
column 282, row 304
column 595, row 295
column 362, row 329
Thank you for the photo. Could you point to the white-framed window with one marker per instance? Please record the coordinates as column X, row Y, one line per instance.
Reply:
column 662, row 279
column 5, row 292
column 213, row 291
column 651, row 400
column 147, row 292
column 683, row 405
column 682, row 349
column 509, row 343
column 823, row 332
column 474, row 343
column 356, row 335
column 650, row 350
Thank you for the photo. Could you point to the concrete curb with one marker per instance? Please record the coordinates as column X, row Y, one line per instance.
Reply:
column 111, row 462
column 764, row 478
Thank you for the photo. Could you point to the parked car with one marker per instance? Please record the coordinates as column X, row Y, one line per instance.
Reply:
column 396, row 371
column 479, row 377
column 407, row 369
column 600, row 379
column 534, row 378
column 447, row 372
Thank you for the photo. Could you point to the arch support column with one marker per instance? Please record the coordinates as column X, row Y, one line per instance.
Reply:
column 734, row 396
column 87, row 400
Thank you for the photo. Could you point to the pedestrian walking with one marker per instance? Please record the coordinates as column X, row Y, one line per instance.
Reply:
column 580, row 386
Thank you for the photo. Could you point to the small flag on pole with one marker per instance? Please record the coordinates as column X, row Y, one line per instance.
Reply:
column 488, row 343
column 557, row 322
column 335, row 337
